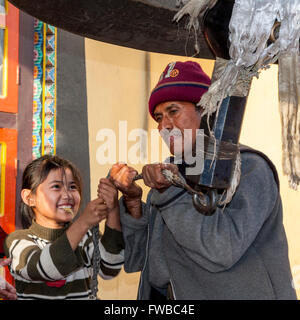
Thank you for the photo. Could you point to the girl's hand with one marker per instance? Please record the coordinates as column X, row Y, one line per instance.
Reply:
column 95, row 212
column 122, row 177
column 109, row 193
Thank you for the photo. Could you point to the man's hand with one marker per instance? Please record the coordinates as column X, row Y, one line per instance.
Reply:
column 7, row 291
column 122, row 176
column 154, row 178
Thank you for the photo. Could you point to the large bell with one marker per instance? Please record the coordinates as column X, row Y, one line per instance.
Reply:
column 140, row 24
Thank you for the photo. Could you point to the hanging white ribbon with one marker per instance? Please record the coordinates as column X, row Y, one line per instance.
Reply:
column 289, row 89
column 250, row 28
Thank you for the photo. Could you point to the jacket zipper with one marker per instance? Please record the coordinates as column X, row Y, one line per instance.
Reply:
column 173, row 291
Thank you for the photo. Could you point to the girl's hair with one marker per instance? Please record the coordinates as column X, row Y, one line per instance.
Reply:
column 37, row 172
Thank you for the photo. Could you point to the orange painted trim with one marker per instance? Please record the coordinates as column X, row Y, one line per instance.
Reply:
column 9, row 102
column 9, row 138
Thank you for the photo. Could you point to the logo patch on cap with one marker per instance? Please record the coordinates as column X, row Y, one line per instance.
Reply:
column 174, row 73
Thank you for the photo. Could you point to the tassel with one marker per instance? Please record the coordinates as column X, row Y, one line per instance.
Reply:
column 250, row 28
column 249, row 33
column 289, row 95
column 235, row 180
column 287, row 46
column 195, row 9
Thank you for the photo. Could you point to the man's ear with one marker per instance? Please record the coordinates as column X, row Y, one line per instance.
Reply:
column 27, row 197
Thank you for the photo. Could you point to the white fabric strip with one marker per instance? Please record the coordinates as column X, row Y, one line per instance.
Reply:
column 112, row 259
column 16, row 250
column 48, row 266
column 250, row 28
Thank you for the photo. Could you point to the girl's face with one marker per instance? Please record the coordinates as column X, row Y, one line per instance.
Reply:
column 57, row 193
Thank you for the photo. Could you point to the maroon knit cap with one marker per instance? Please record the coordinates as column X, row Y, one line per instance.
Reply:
column 180, row 81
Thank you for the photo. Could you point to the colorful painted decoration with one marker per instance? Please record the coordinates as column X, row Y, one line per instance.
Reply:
column 44, row 90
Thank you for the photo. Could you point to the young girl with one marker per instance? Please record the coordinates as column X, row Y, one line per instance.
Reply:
column 52, row 259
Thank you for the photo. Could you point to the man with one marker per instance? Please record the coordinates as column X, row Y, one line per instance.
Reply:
column 7, row 291
column 240, row 252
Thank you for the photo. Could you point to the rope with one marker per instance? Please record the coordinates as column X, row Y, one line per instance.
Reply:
column 177, row 180
column 96, row 262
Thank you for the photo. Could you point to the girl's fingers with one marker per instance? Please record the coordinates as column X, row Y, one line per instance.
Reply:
column 106, row 182
column 98, row 201
column 101, row 207
column 107, row 189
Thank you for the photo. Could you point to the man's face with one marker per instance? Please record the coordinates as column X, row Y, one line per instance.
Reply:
column 178, row 115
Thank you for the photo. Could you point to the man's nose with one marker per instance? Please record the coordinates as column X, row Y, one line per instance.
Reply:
column 166, row 123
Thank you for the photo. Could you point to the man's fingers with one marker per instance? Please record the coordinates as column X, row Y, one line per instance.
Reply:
column 122, row 175
column 153, row 176
column 170, row 166
column 10, row 288
column 116, row 168
column 7, row 291
column 7, row 295
column 118, row 173
column 5, row 262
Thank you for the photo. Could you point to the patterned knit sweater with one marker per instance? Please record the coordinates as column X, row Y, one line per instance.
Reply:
column 44, row 265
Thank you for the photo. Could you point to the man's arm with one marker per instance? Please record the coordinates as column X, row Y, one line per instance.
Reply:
column 7, row 291
column 134, row 213
column 217, row 242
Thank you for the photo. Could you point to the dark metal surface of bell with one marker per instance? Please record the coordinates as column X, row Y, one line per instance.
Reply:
column 215, row 25
column 226, row 126
column 140, row 24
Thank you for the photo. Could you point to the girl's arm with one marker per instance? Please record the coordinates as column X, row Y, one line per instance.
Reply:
column 109, row 193
column 94, row 213
column 35, row 259
column 53, row 260
column 111, row 244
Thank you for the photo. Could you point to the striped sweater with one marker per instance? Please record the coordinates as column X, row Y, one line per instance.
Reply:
column 44, row 265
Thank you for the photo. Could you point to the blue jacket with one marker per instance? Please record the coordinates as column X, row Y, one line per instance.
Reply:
column 240, row 252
